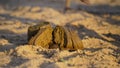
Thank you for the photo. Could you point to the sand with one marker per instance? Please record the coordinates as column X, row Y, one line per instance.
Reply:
column 98, row 30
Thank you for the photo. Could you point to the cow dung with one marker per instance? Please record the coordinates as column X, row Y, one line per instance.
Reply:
column 61, row 37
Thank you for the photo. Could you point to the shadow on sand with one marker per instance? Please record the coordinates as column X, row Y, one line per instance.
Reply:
column 21, row 19
column 14, row 41
column 83, row 32
column 101, row 10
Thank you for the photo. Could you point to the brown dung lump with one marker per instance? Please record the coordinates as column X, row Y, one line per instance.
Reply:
column 61, row 37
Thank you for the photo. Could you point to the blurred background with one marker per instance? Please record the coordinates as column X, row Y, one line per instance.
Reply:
column 97, row 24
column 94, row 6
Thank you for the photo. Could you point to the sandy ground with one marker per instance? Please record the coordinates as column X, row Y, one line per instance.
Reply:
column 99, row 31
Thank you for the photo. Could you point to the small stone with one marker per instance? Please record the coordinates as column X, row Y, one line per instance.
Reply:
column 61, row 60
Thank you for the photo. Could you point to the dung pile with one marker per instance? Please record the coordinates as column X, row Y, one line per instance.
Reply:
column 46, row 36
